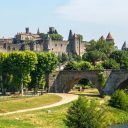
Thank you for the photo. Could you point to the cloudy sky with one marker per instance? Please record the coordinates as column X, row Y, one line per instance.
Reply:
column 91, row 18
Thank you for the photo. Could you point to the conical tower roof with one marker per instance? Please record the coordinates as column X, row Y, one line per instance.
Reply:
column 102, row 38
column 109, row 36
column 125, row 46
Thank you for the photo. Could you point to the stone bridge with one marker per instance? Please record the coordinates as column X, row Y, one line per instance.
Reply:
column 63, row 81
column 118, row 79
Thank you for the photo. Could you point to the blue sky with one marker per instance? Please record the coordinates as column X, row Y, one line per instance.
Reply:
column 91, row 18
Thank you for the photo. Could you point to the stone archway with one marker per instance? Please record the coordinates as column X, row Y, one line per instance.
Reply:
column 118, row 79
column 63, row 81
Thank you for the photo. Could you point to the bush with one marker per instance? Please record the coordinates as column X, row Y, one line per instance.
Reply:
column 84, row 65
column 72, row 65
column 98, row 67
column 119, row 100
column 83, row 114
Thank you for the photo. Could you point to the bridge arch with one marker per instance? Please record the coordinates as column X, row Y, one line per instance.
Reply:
column 118, row 79
column 73, row 82
column 64, row 81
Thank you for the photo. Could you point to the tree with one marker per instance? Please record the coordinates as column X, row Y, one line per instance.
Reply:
column 111, row 64
column 20, row 65
column 94, row 56
column 3, row 56
column 102, row 46
column 56, row 36
column 47, row 62
column 119, row 100
column 121, row 57
column 83, row 114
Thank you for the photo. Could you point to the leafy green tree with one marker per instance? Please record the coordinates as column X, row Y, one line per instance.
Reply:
column 119, row 100
column 94, row 56
column 111, row 64
column 47, row 62
column 121, row 57
column 102, row 46
column 20, row 65
column 38, row 79
column 56, row 36
column 3, row 57
column 83, row 114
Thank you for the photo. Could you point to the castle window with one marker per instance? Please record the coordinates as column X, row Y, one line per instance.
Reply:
column 52, row 49
column 61, row 45
column 55, row 44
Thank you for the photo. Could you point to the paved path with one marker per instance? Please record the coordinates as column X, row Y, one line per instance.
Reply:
column 66, row 98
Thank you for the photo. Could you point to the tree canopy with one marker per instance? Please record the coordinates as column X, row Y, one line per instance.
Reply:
column 56, row 36
column 94, row 56
column 102, row 46
column 121, row 57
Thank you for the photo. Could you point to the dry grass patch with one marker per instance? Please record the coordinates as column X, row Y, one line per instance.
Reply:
column 25, row 103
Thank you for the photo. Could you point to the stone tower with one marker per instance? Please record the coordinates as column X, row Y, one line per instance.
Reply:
column 76, row 44
column 27, row 30
column 47, row 43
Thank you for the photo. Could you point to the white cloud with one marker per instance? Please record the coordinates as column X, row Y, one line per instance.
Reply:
column 97, row 11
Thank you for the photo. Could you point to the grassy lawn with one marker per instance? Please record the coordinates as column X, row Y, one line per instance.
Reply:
column 53, row 117
column 25, row 102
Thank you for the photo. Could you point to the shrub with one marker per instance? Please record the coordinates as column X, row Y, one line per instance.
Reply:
column 83, row 114
column 98, row 67
column 84, row 65
column 119, row 100
column 72, row 65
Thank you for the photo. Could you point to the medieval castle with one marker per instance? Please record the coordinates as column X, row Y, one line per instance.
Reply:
column 43, row 42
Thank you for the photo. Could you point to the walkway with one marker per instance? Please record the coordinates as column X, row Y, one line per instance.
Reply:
column 66, row 98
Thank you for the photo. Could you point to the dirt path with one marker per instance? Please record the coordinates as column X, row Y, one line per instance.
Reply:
column 66, row 98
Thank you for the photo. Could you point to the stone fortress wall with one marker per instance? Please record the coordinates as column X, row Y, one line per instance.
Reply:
column 35, row 42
